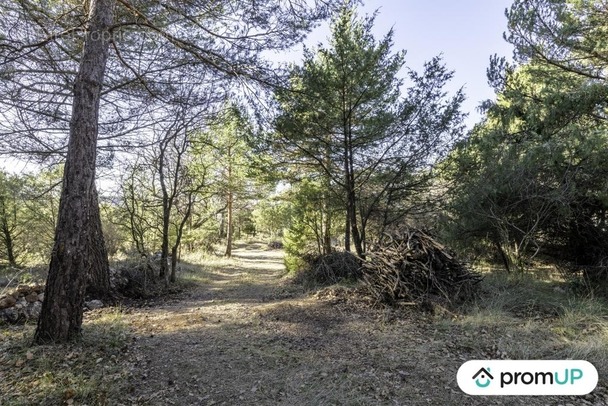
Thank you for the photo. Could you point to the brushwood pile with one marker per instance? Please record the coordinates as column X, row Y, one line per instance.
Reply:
column 408, row 265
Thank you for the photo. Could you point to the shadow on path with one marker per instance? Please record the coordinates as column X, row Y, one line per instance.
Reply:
column 246, row 337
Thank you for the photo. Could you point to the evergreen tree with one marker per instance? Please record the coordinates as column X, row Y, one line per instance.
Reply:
column 345, row 119
column 531, row 179
column 226, row 145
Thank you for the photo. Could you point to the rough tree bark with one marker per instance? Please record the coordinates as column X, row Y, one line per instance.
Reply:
column 79, row 249
column 98, row 282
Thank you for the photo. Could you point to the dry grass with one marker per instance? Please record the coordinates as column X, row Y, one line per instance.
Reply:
column 243, row 335
column 541, row 318
column 88, row 372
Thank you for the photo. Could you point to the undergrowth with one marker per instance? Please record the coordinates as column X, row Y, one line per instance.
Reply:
column 86, row 372
column 539, row 316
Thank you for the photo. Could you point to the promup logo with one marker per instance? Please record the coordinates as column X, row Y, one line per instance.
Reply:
column 483, row 378
column 498, row 377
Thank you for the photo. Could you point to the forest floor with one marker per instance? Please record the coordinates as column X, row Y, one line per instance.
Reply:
column 243, row 334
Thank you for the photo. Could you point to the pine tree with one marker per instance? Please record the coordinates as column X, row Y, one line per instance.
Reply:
column 345, row 118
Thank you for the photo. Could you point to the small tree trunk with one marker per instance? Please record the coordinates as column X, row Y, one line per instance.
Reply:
column 134, row 227
column 351, row 195
column 167, row 205
column 363, row 238
column 7, row 235
column 347, row 233
column 351, row 216
column 327, row 233
column 347, row 223
column 222, row 225
column 10, row 248
column 76, row 252
column 354, row 226
column 176, row 249
column 326, row 215
column 503, row 255
column 173, row 276
column 230, row 231
column 164, row 251
column 8, row 244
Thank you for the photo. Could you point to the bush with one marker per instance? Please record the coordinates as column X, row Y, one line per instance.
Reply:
column 275, row 245
column 329, row 269
column 137, row 280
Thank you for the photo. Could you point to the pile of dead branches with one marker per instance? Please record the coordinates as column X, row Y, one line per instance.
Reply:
column 409, row 265
column 329, row 269
column 137, row 280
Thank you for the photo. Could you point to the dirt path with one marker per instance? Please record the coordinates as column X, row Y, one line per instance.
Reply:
column 244, row 335
column 247, row 337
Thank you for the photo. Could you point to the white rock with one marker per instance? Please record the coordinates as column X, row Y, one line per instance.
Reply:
column 10, row 315
column 33, row 310
column 94, row 304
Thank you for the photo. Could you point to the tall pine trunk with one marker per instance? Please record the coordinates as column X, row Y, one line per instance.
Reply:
column 98, row 283
column 79, row 249
column 327, row 212
column 346, row 196
column 351, row 196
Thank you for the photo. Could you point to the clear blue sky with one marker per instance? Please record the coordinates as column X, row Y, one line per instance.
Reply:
column 466, row 32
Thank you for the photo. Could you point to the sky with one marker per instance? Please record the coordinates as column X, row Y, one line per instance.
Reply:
column 465, row 32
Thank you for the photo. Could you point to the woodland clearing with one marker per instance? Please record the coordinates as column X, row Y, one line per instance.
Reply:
column 241, row 333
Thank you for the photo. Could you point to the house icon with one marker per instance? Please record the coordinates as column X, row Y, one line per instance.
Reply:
column 483, row 377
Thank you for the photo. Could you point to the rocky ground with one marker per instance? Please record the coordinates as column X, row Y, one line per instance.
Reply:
column 244, row 335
